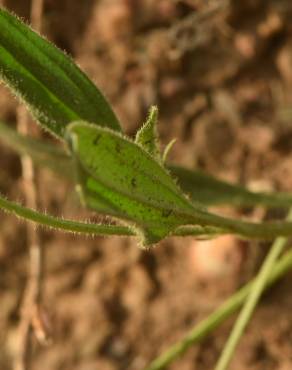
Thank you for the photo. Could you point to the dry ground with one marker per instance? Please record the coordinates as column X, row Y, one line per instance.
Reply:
column 223, row 83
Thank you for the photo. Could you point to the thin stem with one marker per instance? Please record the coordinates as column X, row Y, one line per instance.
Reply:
column 230, row 306
column 32, row 300
column 59, row 223
column 251, row 302
column 199, row 231
column 264, row 230
column 33, row 291
column 102, row 230
column 89, row 228
column 36, row 14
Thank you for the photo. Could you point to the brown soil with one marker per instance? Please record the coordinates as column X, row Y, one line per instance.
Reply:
column 223, row 83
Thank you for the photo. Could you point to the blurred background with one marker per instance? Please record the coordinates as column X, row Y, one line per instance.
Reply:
column 220, row 72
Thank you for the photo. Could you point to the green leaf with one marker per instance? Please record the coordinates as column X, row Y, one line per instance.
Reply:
column 199, row 186
column 147, row 135
column 119, row 178
column 54, row 88
column 202, row 187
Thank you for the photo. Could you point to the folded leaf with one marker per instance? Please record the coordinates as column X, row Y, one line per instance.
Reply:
column 54, row 88
column 119, row 178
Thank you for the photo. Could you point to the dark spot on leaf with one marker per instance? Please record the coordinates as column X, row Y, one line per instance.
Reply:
column 96, row 140
column 166, row 212
column 118, row 148
column 133, row 182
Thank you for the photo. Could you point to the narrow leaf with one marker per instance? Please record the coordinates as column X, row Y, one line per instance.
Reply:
column 203, row 328
column 204, row 188
column 168, row 149
column 47, row 80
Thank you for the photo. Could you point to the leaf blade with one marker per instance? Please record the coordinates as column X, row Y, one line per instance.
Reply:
column 119, row 178
column 204, row 188
column 55, row 89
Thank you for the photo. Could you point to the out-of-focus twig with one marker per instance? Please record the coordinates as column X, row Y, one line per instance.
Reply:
column 191, row 32
column 212, row 322
column 36, row 14
column 32, row 321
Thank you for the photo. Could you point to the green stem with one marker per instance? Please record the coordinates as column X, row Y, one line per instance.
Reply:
column 59, row 223
column 203, row 229
column 89, row 228
column 198, row 230
column 251, row 302
column 230, row 306
column 264, row 230
column 98, row 229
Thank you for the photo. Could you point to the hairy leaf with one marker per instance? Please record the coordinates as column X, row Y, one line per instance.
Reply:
column 54, row 88
column 119, row 178
column 208, row 190
column 147, row 135
column 199, row 186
